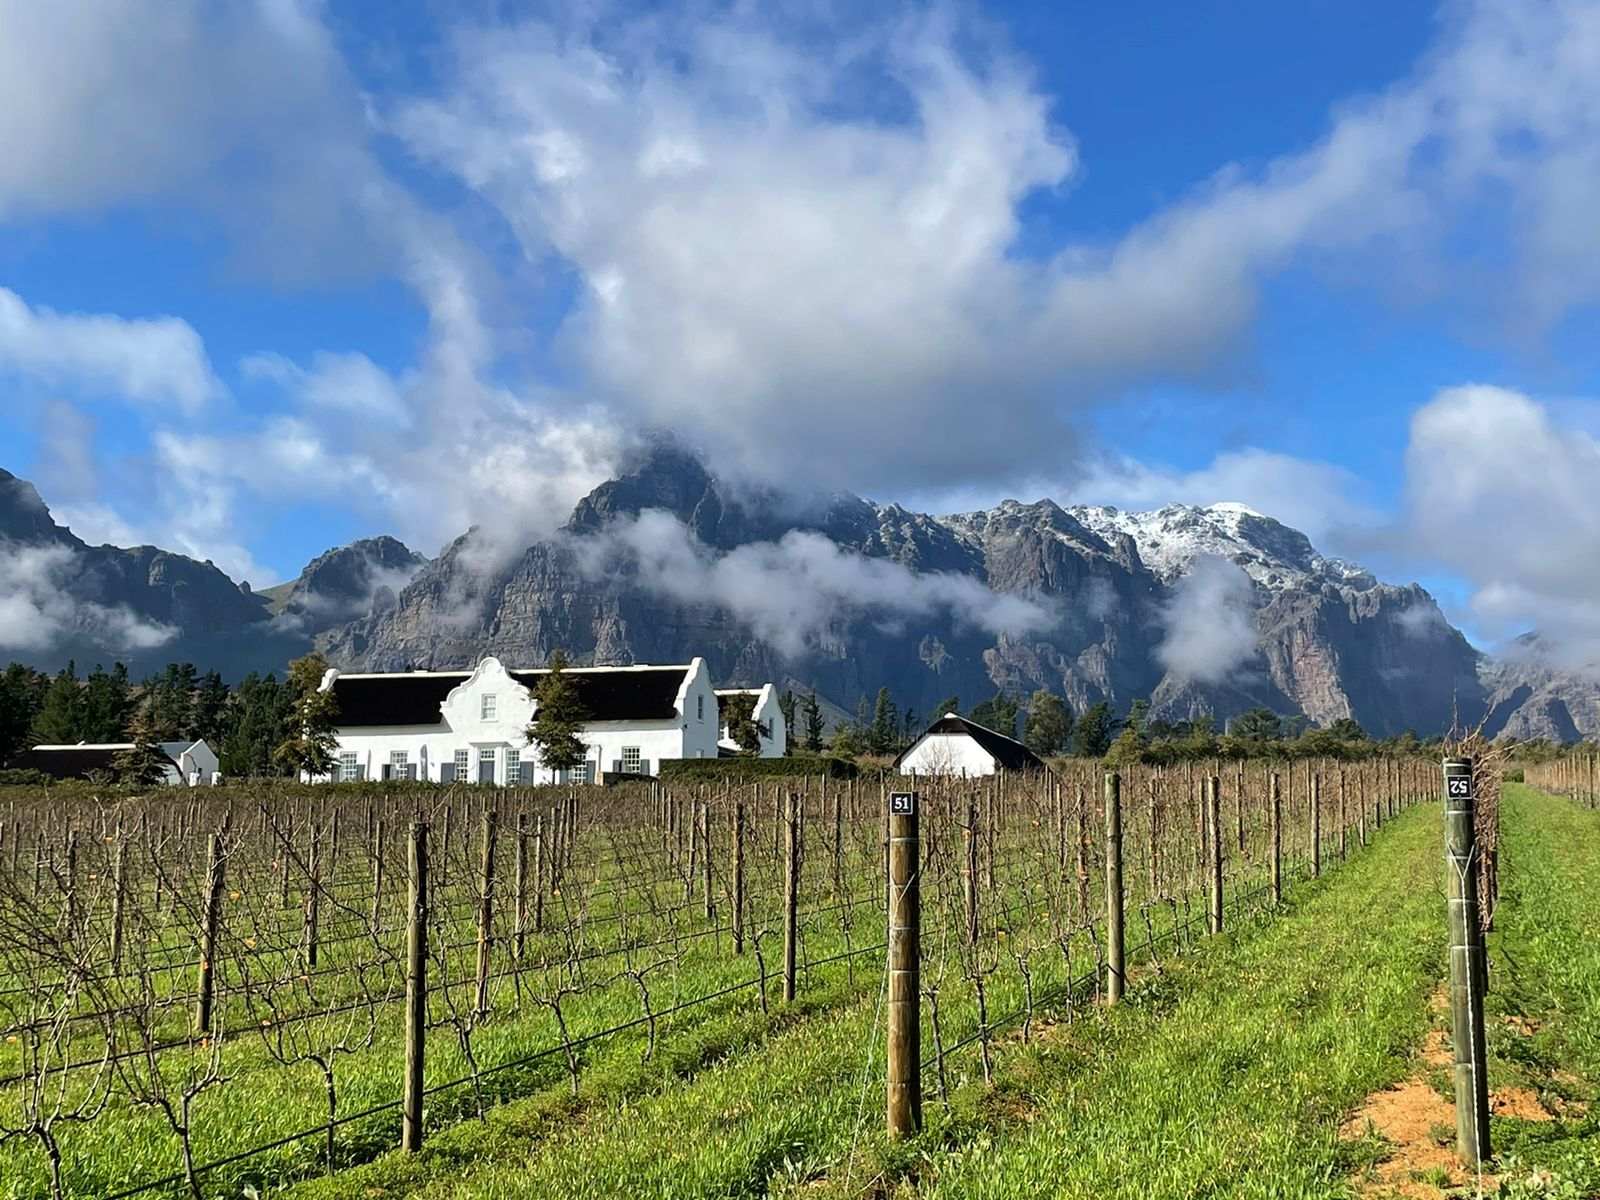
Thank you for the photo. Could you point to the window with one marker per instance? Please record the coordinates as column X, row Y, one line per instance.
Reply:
column 486, row 759
column 631, row 759
column 463, row 764
column 489, row 706
column 513, row 766
column 398, row 763
column 349, row 772
column 583, row 773
column 700, row 708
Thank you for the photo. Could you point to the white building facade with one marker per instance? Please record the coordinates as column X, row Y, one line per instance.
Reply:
column 471, row 727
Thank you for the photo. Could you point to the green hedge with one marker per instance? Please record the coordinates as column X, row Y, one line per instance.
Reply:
column 757, row 768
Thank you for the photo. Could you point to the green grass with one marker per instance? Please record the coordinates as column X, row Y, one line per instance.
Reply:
column 1227, row 1072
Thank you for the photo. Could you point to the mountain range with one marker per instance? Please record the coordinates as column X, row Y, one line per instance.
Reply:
column 1211, row 609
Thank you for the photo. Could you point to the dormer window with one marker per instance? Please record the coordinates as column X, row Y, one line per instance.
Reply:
column 489, row 706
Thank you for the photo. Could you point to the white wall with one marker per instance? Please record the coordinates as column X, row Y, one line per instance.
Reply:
column 775, row 742
column 947, row 754
column 463, row 727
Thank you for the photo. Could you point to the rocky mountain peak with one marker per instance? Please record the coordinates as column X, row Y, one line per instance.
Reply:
column 24, row 517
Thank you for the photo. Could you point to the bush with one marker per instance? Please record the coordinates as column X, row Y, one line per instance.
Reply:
column 756, row 768
column 1512, row 775
column 25, row 777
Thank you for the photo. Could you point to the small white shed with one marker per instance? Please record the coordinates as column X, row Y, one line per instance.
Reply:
column 953, row 745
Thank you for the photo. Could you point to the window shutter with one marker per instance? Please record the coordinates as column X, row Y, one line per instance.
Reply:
column 644, row 766
column 525, row 773
column 447, row 772
column 361, row 773
column 616, row 766
column 385, row 769
column 411, row 770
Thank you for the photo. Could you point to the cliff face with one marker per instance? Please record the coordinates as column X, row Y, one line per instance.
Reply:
column 1329, row 640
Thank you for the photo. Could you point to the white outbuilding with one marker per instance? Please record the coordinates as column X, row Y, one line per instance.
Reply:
column 193, row 763
column 953, row 745
column 471, row 726
column 771, row 728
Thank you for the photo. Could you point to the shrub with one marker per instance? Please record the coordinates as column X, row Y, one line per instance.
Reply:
column 743, row 768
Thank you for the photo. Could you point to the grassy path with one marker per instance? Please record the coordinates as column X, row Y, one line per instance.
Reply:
column 1228, row 1073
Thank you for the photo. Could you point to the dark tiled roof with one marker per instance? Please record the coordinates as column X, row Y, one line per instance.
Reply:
column 650, row 694
column 367, row 700
column 69, row 762
column 1008, row 753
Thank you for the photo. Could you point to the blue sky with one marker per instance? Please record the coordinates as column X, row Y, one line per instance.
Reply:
column 280, row 274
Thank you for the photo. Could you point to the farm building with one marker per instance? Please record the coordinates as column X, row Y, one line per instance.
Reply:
column 193, row 763
column 471, row 726
column 770, row 725
column 954, row 745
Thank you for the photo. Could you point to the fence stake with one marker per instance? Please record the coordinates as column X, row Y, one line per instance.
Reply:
column 1275, row 798
column 541, row 878
column 705, row 858
column 520, row 931
column 1316, row 822
column 1466, row 964
column 1114, row 943
column 119, row 897
column 313, row 897
column 791, row 895
column 1214, row 821
column 416, row 988
column 970, row 872
column 737, row 899
column 377, row 870
column 485, row 911
column 905, row 985
column 208, row 932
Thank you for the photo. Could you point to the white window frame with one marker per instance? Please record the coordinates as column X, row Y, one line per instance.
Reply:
column 488, row 754
column 463, row 764
column 399, row 762
column 349, row 766
column 489, row 707
column 636, row 753
column 580, row 773
column 513, row 765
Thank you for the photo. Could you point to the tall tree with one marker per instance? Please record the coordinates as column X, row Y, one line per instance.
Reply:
column 1093, row 732
column 559, row 717
column 1048, row 725
column 258, row 722
column 999, row 713
column 171, row 701
column 884, row 732
column 312, row 739
column 950, row 704
column 60, row 718
column 144, row 763
column 811, row 716
column 739, row 716
column 789, row 706
column 108, row 706
column 22, row 691
column 211, row 699
column 1257, row 725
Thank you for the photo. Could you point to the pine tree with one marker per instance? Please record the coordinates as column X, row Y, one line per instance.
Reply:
column 885, row 728
column 60, row 718
column 739, row 715
column 811, row 711
column 312, row 739
column 145, row 763
column 22, row 692
column 1048, row 726
column 172, row 701
column 1093, row 732
column 107, row 705
column 951, row 704
column 559, row 718
column 211, row 697
column 789, row 706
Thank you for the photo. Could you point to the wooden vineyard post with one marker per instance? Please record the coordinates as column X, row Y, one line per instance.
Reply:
column 791, row 896
column 905, row 984
column 1275, row 800
column 1466, row 964
column 737, row 899
column 377, row 870
column 308, row 933
column 485, row 911
column 1315, row 792
column 519, row 932
column 119, row 896
column 539, row 880
column 1155, row 852
column 1214, row 850
column 970, row 872
column 71, row 876
column 705, row 860
column 1115, row 977
column 416, row 988
column 211, row 917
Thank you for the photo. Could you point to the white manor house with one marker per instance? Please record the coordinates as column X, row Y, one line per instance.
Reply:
column 471, row 726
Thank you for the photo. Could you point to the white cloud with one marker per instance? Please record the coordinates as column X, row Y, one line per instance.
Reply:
column 160, row 362
column 1208, row 622
column 792, row 591
column 1502, row 495
column 37, row 612
column 820, row 293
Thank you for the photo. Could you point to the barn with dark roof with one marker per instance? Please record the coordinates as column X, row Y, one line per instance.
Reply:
column 953, row 745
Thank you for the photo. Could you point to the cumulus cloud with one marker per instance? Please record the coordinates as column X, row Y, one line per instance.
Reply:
column 793, row 590
column 36, row 613
column 160, row 361
column 765, row 264
column 1502, row 494
column 1209, row 631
